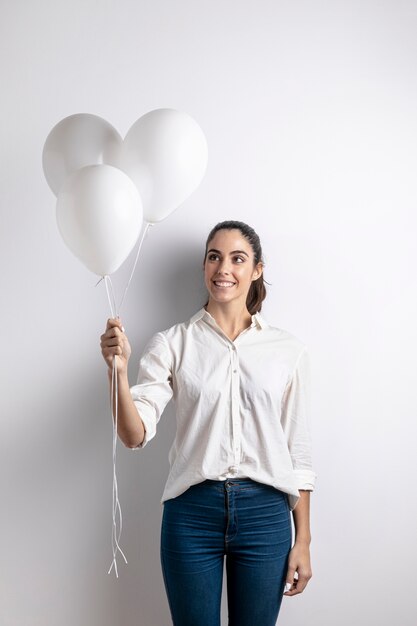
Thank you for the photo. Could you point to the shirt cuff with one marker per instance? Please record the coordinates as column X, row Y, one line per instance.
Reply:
column 147, row 416
column 306, row 479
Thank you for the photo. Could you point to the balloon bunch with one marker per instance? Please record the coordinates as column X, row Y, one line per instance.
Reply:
column 110, row 191
column 106, row 186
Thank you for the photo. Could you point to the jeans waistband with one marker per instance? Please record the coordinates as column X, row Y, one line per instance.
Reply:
column 244, row 480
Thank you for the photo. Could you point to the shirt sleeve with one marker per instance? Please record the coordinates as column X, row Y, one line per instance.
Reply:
column 295, row 422
column 153, row 389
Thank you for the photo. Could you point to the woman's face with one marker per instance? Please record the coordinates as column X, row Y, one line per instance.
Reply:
column 228, row 266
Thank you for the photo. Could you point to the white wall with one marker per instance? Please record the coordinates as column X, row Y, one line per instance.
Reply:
column 309, row 109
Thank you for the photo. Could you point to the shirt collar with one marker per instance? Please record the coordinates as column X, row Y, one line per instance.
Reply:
column 257, row 319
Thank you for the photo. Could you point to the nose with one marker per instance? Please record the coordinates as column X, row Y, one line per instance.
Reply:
column 224, row 267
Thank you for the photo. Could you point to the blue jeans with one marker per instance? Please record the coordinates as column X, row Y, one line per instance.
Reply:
column 244, row 520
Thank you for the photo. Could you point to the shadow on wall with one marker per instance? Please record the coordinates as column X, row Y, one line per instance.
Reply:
column 62, row 475
column 69, row 411
column 178, row 293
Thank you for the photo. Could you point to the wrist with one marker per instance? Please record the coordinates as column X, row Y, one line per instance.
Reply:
column 303, row 540
column 121, row 374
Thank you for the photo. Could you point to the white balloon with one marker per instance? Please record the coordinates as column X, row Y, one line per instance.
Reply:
column 99, row 215
column 165, row 154
column 76, row 141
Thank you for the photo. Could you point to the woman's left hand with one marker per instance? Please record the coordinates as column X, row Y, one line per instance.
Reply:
column 298, row 561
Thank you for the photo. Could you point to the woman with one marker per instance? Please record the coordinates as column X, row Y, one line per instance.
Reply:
column 241, row 458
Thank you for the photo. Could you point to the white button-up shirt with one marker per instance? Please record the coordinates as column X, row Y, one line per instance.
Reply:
column 242, row 406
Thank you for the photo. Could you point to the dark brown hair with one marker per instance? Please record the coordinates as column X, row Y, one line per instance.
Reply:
column 257, row 290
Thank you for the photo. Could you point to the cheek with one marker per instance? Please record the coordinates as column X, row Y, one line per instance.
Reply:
column 244, row 274
column 206, row 274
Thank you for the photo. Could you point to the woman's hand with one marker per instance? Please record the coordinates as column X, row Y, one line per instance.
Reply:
column 115, row 343
column 298, row 561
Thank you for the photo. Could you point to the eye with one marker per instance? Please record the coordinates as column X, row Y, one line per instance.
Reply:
column 241, row 258
column 212, row 256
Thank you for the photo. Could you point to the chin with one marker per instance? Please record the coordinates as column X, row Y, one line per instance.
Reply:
column 223, row 297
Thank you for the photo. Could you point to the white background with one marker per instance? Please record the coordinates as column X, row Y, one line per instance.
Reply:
column 309, row 109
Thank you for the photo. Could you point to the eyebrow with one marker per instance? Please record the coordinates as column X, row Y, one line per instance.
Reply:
column 233, row 252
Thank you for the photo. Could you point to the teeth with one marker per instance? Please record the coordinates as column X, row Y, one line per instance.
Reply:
column 216, row 282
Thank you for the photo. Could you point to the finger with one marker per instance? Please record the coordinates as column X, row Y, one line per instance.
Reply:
column 291, row 577
column 112, row 333
column 110, row 338
column 114, row 322
column 303, row 578
column 112, row 342
column 298, row 585
column 110, row 352
column 290, row 588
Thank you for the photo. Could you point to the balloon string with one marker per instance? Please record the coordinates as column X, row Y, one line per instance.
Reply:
column 111, row 298
column 116, row 508
column 145, row 230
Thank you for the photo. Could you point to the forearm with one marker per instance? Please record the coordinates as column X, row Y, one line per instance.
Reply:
column 301, row 516
column 129, row 424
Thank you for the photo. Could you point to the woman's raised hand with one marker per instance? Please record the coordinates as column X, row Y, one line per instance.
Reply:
column 115, row 343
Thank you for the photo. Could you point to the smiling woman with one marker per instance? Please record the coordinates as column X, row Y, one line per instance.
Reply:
column 240, row 463
column 233, row 244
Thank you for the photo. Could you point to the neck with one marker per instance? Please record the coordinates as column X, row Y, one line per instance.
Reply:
column 232, row 317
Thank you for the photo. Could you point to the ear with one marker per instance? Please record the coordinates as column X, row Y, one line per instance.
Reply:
column 258, row 271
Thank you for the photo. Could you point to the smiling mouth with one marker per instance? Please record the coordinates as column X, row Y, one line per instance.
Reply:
column 223, row 283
